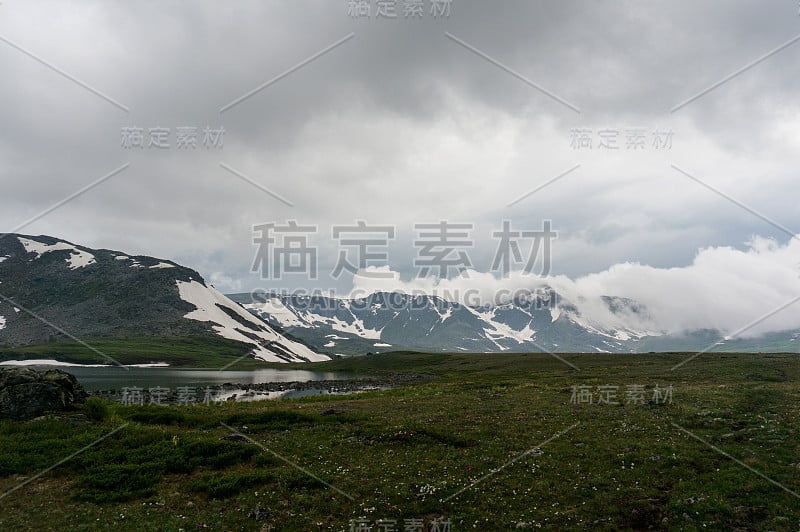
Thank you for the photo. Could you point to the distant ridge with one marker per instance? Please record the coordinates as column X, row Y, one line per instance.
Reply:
column 394, row 321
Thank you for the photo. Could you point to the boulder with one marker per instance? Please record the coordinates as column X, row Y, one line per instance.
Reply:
column 26, row 393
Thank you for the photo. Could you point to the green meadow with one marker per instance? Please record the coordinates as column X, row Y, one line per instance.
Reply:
column 487, row 442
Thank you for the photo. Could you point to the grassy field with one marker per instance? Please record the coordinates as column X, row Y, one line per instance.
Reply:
column 491, row 442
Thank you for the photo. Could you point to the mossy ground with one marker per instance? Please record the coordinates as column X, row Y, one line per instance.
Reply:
column 403, row 453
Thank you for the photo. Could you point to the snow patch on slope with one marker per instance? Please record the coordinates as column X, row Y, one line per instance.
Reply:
column 208, row 301
column 275, row 308
column 621, row 332
column 443, row 315
column 287, row 317
column 447, row 313
column 77, row 258
column 356, row 327
column 80, row 260
column 499, row 330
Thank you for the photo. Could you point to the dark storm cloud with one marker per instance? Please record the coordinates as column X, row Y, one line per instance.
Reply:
column 399, row 123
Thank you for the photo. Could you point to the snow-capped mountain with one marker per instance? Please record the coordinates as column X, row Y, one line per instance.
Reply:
column 387, row 321
column 394, row 321
column 96, row 294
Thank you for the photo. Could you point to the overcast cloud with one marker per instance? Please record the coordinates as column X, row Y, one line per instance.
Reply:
column 401, row 124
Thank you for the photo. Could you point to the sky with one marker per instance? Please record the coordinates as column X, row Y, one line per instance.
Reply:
column 477, row 116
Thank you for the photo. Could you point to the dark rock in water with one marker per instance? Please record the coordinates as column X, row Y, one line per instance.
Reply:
column 26, row 393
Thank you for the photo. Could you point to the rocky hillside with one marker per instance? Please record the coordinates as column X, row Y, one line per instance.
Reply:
column 47, row 284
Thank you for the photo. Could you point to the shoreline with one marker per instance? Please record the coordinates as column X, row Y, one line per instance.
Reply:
column 232, row 391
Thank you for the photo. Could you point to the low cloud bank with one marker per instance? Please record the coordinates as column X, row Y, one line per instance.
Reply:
column 724, row 288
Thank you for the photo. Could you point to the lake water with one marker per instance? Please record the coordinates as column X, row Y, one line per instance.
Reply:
column 114, row 377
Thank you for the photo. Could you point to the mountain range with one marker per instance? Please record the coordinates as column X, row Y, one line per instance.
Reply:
column 54, row 293
column 543, row 323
